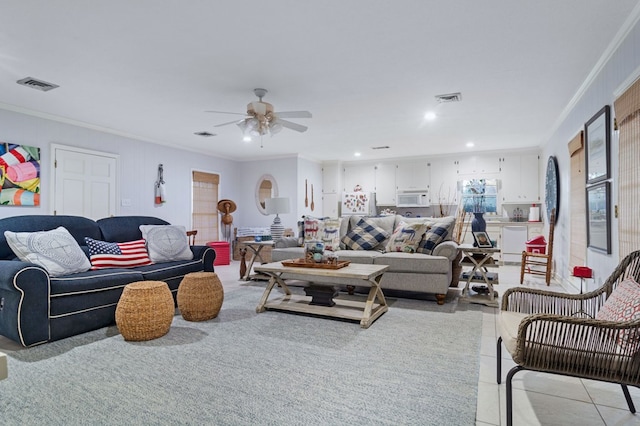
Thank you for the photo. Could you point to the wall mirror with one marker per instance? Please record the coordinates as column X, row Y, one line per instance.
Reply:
column 265, row 188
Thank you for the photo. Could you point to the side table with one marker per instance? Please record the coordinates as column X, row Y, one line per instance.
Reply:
column 255, row 247
column 480, row 260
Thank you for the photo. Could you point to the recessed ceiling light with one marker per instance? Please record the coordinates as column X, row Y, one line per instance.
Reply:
column 430, row 116
column 247, row 139
column 357, row 154
column 470, row 144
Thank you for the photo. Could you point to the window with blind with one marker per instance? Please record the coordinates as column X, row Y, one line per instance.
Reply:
column 205, row 206
column 578, row 244
column 627, row 109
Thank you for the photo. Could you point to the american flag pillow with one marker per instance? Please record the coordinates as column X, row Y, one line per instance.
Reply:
column 117, row 255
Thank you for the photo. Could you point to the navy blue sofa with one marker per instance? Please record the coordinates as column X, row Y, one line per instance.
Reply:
column 36, row 308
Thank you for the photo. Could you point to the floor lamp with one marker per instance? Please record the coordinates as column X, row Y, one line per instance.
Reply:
column 276, row 206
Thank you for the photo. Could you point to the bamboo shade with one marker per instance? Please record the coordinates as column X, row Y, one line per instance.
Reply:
column 578, row 241
column 205, row 206
column 627, row 109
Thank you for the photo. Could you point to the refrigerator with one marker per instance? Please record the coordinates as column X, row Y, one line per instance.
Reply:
column 358, row 203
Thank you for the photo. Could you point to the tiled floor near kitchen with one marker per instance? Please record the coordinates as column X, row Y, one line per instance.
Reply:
column 538, row 399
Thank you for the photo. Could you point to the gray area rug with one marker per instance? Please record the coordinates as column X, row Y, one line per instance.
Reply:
column 416, row 365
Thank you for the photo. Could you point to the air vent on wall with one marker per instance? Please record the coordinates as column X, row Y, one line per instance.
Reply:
column 205, row 134
column 34, row 83
column 380, row 147
column 449, row 97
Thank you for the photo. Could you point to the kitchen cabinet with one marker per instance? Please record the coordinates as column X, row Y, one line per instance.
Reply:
column 385, row 188
column 519, row 175
column 412, row 175
column 331, row 178
column 478, row 166
column 330, row 204
column 443, row 178
column 359, row 174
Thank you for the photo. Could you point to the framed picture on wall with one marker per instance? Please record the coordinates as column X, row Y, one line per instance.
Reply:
column 599, row 217
column 597, row 136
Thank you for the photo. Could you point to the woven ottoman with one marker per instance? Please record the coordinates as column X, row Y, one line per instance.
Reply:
column 145, row 310
column 200, row 296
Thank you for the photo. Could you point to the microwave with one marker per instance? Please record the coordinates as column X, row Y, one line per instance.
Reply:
column 412, row 198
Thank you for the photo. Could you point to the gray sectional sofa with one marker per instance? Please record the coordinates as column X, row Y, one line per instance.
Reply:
column 37, row 308
column 408, row 271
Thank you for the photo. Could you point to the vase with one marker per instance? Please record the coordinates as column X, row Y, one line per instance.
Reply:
column 477, row 223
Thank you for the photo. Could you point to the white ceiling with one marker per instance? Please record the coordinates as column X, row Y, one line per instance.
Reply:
column 367, row 70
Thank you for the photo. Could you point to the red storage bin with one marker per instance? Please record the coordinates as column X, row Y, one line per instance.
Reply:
column 222, row 252
column 537, row 245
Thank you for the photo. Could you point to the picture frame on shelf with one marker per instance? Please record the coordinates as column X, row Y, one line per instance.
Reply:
column 482, row 239
column 599, row 217
column 597, row 138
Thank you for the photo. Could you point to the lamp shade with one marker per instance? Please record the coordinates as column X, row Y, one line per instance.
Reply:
column 276, row 205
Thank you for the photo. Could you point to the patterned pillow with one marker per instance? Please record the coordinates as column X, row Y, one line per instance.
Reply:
column 326, row 230
column 406, row 237
column 56, row 250
column 117, row 255
column 434, row 236
column 623, row 305
column 364, row 236
column 166, row 243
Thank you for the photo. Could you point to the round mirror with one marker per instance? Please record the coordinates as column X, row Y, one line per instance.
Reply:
column 266, row 188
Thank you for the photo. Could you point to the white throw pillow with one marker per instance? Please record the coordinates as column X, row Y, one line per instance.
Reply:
column 166, row 243
column 56, row 250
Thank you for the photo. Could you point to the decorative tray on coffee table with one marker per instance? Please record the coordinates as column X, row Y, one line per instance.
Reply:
column 302, row 263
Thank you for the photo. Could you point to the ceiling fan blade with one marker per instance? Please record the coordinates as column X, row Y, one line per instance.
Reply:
column 294, row 114
column 226, row 112
column 227, row 123
column 293, row 126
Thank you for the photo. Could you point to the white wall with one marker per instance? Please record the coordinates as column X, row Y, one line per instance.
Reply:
column 622, row 65
column 138, row 167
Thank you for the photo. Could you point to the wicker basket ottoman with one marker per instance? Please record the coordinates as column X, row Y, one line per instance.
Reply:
column 145, row 310
column 200, row 296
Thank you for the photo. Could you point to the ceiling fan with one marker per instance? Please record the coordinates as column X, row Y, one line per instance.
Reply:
column 261, row 119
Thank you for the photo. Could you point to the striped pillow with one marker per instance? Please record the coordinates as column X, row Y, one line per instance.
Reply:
column 117, row 255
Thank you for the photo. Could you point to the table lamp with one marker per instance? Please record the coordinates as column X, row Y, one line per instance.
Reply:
column 276, row 206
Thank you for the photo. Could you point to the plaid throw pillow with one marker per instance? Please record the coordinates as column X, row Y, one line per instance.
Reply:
column 434, row 236
column 364, row 236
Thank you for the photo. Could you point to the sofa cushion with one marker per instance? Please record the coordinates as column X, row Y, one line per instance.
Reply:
column 166, row 243
column 406, row 237
column 436, row 233
column 414, row 262
column 326, row 230
column 119, row 229
column 358, row 256
column 117, row 255
column 55, row 250
column 366, row 235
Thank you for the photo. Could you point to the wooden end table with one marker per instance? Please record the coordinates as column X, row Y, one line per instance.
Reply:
column 255, row 247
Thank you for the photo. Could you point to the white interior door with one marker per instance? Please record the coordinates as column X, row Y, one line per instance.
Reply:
column 85, row 182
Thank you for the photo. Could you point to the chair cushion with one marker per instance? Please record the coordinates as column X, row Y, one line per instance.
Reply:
column 508, row 323
column 623, row 305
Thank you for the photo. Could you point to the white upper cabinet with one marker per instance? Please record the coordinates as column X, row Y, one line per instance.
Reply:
column 386, row 184
column 331, row 178
column 413, row 175
column 519, row 177
column 359, row 174
column 443, row 174
column 479, row 166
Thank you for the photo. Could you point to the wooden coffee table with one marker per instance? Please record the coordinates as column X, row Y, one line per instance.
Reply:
column 366, row 311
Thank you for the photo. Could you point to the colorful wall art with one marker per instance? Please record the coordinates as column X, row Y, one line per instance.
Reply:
column 19, row 175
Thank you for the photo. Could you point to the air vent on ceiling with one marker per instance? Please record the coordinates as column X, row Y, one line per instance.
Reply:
column 205, row 134
column 449, row 97
column 380, row 147
column 34, row 83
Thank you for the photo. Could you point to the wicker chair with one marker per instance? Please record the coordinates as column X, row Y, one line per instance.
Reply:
column 556, row 333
